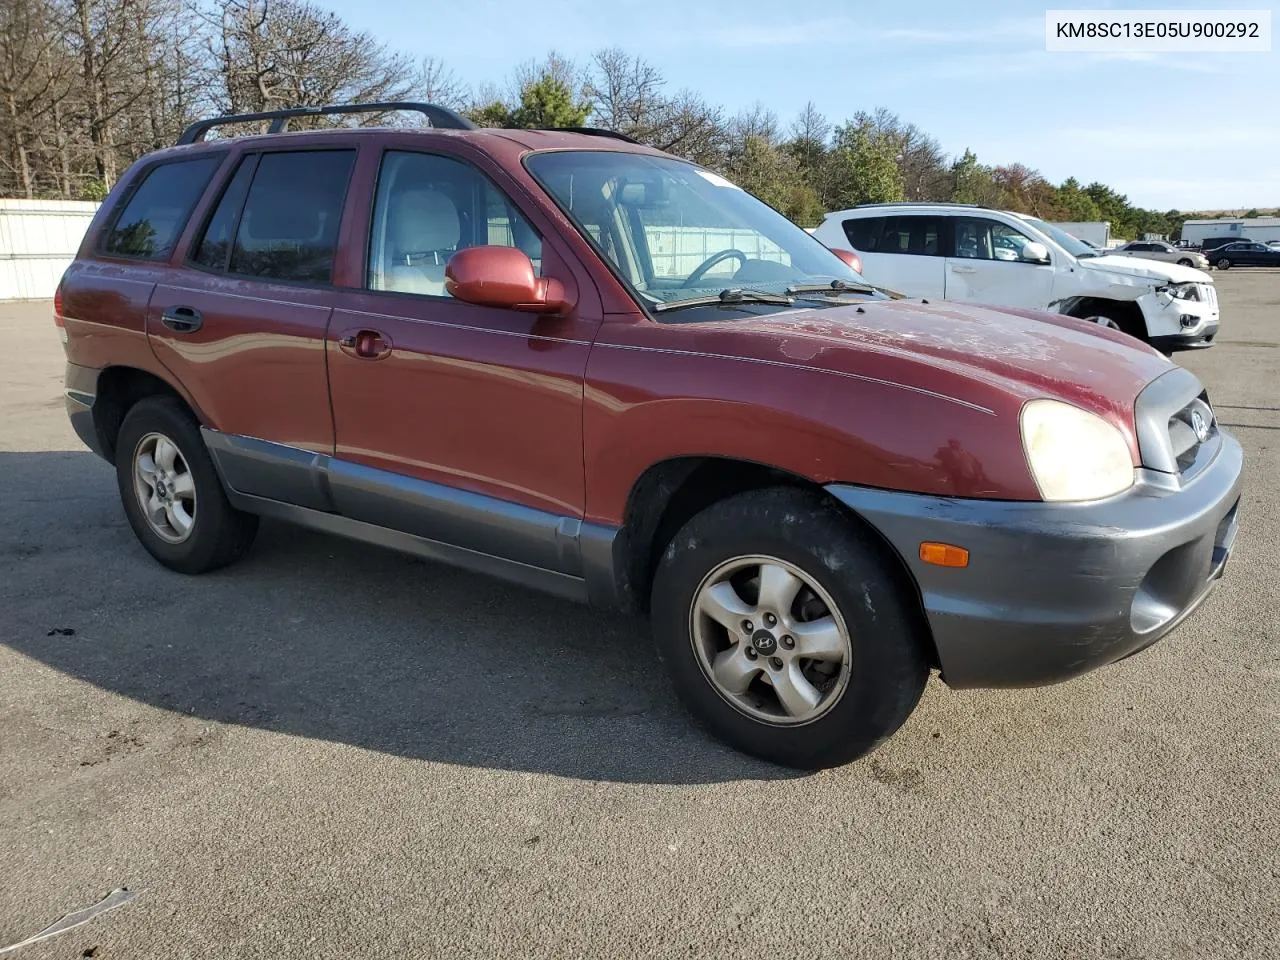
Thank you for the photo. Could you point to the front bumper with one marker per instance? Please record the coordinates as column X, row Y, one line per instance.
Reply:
column 1196, row 338
column 1054, row 590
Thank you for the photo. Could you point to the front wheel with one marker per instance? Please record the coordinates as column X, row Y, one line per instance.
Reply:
column 1223, row 264
column 788, row 630
column 1185, row 262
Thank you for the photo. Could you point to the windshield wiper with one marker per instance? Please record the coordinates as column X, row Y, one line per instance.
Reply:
column 835, row 286
column 725, row 298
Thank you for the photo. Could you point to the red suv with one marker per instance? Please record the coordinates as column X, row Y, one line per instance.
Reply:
column 595, row 369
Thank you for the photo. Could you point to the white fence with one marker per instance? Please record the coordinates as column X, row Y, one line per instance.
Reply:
column 38, row 240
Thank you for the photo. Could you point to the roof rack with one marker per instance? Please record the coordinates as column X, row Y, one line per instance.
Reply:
column 916, row 203
column 593, row 132
column 440, row 117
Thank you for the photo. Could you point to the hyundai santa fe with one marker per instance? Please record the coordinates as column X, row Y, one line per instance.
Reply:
column 594, row 369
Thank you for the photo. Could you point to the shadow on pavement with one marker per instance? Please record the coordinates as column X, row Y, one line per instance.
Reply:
column 329, row 639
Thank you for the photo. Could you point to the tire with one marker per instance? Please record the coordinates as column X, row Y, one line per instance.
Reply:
column 864, row 698
column 1223, row 264
column 217, row 534
column 1185, row 262
column 1108, row 318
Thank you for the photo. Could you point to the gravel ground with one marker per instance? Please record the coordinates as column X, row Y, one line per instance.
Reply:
column 334, row 751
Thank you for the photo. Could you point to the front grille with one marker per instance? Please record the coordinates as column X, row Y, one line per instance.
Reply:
column 1184, row 442
column 1166, row 415
column 1208, row 294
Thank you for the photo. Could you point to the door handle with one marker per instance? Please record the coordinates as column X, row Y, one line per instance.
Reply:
column 182, row 319
column 365, row 344
column 956, row 268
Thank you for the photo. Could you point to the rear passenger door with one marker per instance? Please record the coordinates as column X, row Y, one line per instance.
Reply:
column 985, row 266
column 242, row 321
column 902, row 253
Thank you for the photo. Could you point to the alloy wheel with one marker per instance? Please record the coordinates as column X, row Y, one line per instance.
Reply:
column 770, row 640
column 165, row 488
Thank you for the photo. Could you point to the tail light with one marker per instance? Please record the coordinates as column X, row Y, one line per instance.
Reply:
column 58, row 320
column 850, row 258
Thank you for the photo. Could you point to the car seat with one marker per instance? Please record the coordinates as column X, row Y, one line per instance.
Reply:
column 423, row 233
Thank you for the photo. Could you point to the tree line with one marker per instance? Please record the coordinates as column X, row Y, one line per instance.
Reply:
column 88, row 86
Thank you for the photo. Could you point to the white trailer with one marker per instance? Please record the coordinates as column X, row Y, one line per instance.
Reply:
column 1097, row 232
column 1260, row 229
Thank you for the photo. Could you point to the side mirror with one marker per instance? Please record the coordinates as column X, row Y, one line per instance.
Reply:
column 503, row 277
column 849, row 257
column 1035, row 253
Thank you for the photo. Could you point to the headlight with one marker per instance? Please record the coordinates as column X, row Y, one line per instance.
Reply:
column 1074, row 454
column 1185, row 291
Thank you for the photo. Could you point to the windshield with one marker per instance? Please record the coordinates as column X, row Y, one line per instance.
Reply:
column 675, row 232
column 1073, row 245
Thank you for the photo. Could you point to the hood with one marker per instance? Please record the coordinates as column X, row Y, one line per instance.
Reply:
column 1155, row 270
column 990, row 357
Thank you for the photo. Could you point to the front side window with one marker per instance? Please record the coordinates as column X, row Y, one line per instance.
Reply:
column 288, row 229
column 427, row 208
column 978, row 239
column 153, row 217
column 675, row 232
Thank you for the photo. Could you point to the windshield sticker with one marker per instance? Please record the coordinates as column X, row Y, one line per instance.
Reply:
column 717, row 180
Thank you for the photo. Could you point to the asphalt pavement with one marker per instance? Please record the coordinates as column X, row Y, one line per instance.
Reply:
column 330, row 750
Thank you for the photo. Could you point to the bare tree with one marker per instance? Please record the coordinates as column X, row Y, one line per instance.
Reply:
column 290, row 53
column 33, row 82
column 756, row 121
column 436, row 83
column 624, row 91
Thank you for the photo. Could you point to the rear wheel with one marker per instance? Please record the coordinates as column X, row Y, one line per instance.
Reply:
column 788, row 630
column 171, row 493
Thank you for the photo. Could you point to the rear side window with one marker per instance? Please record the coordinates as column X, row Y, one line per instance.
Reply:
column 288, row 229
column 151, row 220
column 864, row 233
column 915, row 236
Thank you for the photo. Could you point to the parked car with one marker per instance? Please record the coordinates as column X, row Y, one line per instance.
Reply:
column 1245, row 253
column 1165, row 252
column 1208, row 246
column 1274, row 244
column 974, row 255
column 513, row 351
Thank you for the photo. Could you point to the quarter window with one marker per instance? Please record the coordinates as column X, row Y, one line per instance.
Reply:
column 149, row 224
column 427, row 208
column 864, row 233
column 289, row 227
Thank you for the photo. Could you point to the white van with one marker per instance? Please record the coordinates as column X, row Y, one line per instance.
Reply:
column 961, row 252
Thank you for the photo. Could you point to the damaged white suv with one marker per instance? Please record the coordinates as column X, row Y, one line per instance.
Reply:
column 960, row 252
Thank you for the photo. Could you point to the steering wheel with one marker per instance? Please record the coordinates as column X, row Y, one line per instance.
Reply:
column 711, row 261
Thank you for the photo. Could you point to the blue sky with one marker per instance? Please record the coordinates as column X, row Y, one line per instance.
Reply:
column 1192, row 131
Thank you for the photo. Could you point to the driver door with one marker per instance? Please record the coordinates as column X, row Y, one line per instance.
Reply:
column 454, row 421
column 984, row 266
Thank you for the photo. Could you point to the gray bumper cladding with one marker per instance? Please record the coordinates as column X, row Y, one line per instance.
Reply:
column 80, row 388
column 1054, row 590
